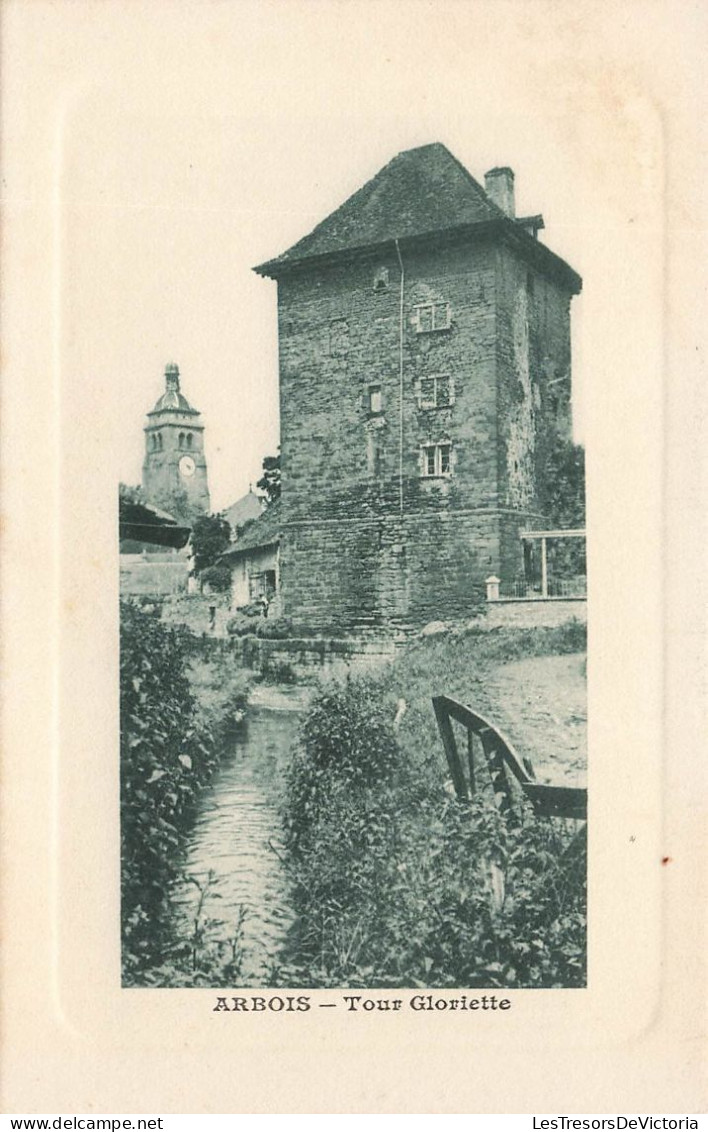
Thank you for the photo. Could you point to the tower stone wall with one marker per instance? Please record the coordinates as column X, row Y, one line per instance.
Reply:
column 422, row 381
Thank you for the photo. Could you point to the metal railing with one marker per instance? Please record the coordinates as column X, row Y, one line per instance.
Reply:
column 555, row 587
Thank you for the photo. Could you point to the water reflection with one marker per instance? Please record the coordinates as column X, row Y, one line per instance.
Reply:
column 237, row 837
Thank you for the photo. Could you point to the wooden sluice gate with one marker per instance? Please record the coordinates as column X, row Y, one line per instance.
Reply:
column 490, row 760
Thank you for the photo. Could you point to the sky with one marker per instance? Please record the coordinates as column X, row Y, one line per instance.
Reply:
column 197, row 140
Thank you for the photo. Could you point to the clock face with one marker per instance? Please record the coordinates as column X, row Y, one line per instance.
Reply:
column 187, row 467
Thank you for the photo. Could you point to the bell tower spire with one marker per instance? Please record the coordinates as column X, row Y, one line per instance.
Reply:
column 171, row 378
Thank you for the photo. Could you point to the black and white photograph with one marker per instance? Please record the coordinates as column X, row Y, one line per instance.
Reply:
column 353, row 704
column 345, row 357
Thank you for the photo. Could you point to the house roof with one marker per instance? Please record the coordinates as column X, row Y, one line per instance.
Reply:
column 421, row 192
column 258, row 534
column 141, row 522
column 245, row 509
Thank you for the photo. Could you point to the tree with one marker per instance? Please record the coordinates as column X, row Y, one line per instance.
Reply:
column 269, row 483
column 217, row 577
column 211, row 536
column 130, row 493
column 565, row 503
column 177, row 504
column 565, row 484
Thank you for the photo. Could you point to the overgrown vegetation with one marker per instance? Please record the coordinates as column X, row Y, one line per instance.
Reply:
column 172, row 723
column 277, row 672
column 221, row 689
column 269, row 483
column 274, row 628
column 564, row 477
column 211, row 536
column 395, row 883
column 217, row 577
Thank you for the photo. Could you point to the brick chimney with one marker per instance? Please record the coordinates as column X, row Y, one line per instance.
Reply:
column 499, row 184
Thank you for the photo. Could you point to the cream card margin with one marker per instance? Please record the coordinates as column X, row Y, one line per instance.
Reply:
column 72, row 1040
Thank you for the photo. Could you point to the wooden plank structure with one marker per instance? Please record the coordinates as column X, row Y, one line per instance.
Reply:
column 503, row 765
column 141, row 522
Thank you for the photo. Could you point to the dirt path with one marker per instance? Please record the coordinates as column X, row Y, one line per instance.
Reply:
column 541, row 705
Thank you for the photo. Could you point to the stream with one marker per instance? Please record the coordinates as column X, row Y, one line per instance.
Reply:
column 237, row 837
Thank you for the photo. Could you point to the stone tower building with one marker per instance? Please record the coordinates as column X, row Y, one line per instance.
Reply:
column 174, row 467
column 424, row 370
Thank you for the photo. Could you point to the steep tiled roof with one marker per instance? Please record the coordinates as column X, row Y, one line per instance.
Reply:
column 421, row 192
column 260, row 532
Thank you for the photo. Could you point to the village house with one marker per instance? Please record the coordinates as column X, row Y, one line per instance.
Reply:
column 254, row 560
column 424, row 340
column 153, row 555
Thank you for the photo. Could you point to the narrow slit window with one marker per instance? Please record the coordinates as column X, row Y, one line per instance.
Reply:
column 381, row 279
column 375, row 400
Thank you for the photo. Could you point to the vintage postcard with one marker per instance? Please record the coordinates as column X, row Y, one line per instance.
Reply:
column 348, row 405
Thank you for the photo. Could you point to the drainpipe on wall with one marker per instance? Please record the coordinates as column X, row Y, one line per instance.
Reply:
column 400, row 382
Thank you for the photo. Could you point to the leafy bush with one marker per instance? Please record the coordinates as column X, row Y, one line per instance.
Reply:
column 347, row 736
column 254, row 609
column 202, row 957
column 166, row 758
column 397, row 884
column 221, row 688
column 217, row 577
column 274, row 628
column 240, row 626
column 211, row 536
column 278, row 672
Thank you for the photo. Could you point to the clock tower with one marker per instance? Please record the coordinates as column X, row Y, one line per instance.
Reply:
column 174, row 468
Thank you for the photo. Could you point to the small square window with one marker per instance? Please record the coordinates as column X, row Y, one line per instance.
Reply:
column 432, row 316
column 437, row 460
column 435, row 392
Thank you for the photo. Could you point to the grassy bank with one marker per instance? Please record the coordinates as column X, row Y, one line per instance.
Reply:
column 397, row 884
